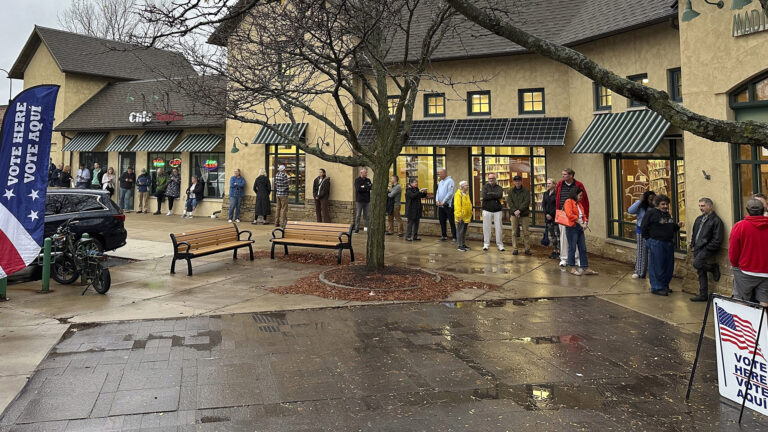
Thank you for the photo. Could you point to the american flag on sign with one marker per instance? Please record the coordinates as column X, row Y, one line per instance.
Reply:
column 737, row 331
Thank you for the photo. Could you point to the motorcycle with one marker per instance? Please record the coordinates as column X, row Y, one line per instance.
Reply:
column 72, row 258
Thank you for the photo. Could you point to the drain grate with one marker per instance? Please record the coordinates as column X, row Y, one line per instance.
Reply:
column 277, row 318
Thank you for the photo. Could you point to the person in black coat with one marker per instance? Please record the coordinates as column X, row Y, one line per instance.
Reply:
column 549, row 206
column 321, row 189
column 706, row 239
column 262, row 187
column 413, row 209
column 194, row 196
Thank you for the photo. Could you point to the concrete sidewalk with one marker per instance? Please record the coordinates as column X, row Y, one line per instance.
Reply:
column 31, row 323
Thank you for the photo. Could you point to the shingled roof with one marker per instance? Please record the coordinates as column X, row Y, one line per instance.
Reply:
column 565, row 22
column 87, row 55
column 110, row 108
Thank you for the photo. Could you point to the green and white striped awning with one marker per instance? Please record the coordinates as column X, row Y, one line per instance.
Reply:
column 199, row 143
column 267, row 136
column 120, row 143
column 156, row 141
column 629, row 132
column 85, row 141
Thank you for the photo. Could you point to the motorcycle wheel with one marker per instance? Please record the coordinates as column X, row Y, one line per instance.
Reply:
column 102, row 283
column 64, row 271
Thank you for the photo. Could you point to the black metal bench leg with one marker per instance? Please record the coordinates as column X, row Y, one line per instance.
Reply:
column 189, row 267
column 338, row 260
column 234, row 254
column 272, row 253
column 250, row 249
column 173, row 266
column 351, row 254
column 285, row 246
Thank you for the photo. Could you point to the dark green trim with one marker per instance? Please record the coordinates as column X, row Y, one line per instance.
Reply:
column 755, row 163
column 520, row 101
column 598, row 98
column 469, row 103
column 426, row 104
column 674, row 77
column 638, row 78
column 750, row 87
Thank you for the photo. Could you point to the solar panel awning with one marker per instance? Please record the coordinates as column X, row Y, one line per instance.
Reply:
column 156, row 141
column 85, row 141
column 268, row 136
column 629, row 132
column 199, row 143
column 120, row 143
column 525, row 131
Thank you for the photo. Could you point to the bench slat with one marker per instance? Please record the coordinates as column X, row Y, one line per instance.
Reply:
column 308, row 242
column 222, row 247
column 204, row 232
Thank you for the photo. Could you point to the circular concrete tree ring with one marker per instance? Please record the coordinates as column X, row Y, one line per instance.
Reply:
column 324, row 280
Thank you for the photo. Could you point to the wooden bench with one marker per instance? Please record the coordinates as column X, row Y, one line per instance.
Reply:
column 197, row 243
column 314, row 234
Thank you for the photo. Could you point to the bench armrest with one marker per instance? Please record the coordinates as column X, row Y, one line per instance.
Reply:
column 179, row 244
column 349, row 238
column 282, row 233
column 242, row 232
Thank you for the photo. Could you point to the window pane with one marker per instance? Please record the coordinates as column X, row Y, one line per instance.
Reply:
column 210, row 169
column 746, row 180
column 761, row 90
column 742, row 96
column 477, row 184
column 421, row 168
column 762, row 153
column 539, row 187
column 537, row 106
column 295, row 167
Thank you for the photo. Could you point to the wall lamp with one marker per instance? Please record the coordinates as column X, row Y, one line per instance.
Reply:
column 234, row 145
column 689, row 13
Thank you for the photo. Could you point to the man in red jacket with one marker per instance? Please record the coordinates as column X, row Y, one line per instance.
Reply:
column 563, row 188
column 746, row 250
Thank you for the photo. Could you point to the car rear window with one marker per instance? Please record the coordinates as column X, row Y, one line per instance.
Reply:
column 81, row 203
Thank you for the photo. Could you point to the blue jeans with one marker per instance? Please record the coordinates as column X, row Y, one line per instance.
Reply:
column 661, row 264
column 124, row 199
column 234, row 207
column 576, row 239
column 192, row 203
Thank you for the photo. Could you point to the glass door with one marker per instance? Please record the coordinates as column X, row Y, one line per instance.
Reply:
column 127, row 160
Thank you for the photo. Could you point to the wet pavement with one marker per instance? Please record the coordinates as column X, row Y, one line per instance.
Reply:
column 577, row 363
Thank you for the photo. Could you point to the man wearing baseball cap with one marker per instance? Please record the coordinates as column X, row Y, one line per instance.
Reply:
column 746, row 251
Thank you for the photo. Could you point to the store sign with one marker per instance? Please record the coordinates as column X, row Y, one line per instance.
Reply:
column 158, row 163
column 737, row 331
column 211, row 165
column 147, row 117
column 748, row 22
column 174, row 163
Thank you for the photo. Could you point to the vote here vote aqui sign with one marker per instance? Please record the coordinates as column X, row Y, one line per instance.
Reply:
column 737, row 326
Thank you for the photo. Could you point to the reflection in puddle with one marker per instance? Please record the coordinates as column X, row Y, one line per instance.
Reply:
column 543, row 340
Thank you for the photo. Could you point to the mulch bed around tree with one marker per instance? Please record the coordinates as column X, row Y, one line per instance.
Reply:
column 303, row 257
column 391, row 277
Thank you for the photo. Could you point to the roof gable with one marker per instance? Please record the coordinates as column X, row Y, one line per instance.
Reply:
column 87, row 55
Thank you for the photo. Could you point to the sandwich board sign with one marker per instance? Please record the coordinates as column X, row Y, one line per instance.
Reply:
column 740, row 338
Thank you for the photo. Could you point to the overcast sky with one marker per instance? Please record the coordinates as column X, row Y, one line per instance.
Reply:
column 17, row 19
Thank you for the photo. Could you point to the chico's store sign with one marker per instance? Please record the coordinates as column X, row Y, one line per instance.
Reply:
column 147, row 117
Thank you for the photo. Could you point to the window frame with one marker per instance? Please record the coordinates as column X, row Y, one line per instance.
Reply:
column 751, row 94
column 521, row 103
column 391, row 110
column 293, row 198
column 469, row 103
column 755, row 163
column 638, row 78
column 596, row 89
column 221, row 169
column 674, row 81
column 427, row 96
column 430, row 210
column 153, row 171
column 616, row 178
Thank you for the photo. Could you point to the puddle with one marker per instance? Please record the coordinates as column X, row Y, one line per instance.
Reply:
column 544, row 340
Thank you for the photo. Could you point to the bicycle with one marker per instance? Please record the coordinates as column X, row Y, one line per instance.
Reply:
column 72, row 258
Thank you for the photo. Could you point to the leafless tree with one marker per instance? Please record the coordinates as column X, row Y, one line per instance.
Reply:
column 489, row 16
column 330, row 61
column 118, row 20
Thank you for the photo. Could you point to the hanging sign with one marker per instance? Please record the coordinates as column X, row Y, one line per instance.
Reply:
column 174, row 163
column 211, row 165
column 158, row 163
column 737, row 326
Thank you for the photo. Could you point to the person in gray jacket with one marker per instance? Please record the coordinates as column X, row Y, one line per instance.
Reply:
column 394, row 196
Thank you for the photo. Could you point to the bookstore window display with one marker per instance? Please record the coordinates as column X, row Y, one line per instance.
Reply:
column 751, row 170
column 630, row 175
column 294, row 160
column 420, row 163
column 507, row 162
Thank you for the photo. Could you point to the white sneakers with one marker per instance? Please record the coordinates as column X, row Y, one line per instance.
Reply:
column 169, row 213
column 184, row 214
column 237, row 220
column 635, row 276
column 229, row 221
column 562, row 263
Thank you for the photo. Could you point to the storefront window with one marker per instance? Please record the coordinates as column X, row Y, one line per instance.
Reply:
column 751, row 169
column 630, row 176
column 89, row 158
column 167, row 161
column 294, row 160
column 420, row 163
column 209, row 168
column 507, row 162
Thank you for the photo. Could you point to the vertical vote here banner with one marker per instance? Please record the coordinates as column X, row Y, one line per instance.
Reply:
column 737, row 326
column 24, row 159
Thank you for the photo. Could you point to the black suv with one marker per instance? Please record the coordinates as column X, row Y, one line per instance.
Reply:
column 98, row 215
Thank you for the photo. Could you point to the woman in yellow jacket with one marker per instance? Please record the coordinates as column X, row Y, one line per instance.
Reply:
column 462, row 211
column 574, row 231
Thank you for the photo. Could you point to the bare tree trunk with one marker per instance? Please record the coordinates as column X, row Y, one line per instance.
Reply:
column 376, row 232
